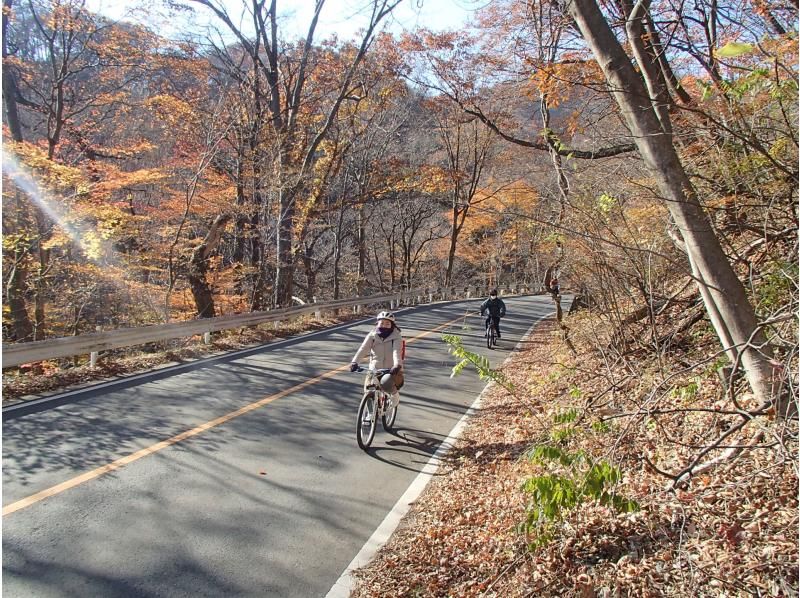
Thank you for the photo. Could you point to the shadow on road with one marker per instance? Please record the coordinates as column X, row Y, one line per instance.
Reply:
column 411, row 441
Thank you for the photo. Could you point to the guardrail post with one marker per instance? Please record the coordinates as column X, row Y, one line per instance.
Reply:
column 93, row 355
column 207, row 338
column 317, row 312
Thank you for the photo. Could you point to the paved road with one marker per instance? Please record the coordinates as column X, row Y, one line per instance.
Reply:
column 223, row 478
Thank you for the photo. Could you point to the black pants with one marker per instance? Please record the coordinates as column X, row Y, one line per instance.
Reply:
column 496, row 321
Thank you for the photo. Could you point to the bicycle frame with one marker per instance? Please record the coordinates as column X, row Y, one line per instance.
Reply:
column 372, row 383
column 382, row 408
column 490, row 332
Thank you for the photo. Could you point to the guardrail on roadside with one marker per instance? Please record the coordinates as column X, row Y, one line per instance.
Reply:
column 15, row 354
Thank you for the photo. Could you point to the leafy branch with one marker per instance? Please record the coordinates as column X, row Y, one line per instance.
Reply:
column 479, row 362
column 571, row 479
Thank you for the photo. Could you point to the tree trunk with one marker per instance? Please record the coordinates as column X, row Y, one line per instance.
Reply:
column 726, row 301
column 362, row 253
column 15, row 291
column 198, row 268
column 44, row 231
column 284, row 273
column 9, row 83
column 337, row 252
column 239, row 236
column 15, row 295
column 455, row 229
column 258, row 252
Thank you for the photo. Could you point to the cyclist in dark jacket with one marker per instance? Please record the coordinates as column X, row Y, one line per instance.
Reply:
column 496, row 309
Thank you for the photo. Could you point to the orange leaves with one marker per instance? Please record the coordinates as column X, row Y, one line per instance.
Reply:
column 559, row 81
column 124, row 180
column 172, row 111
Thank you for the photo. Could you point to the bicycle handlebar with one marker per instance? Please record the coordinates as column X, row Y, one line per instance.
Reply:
column 379, row 372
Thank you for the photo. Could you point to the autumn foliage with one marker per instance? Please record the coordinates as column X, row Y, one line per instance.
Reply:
column 147, row 180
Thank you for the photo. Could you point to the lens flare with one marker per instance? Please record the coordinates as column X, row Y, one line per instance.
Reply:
column 26, row 183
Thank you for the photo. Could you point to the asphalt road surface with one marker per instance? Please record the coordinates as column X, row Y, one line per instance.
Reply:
column 232, row 476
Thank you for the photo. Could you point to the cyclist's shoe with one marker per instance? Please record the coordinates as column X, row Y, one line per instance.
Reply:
column 395, row 399
column 498, row 335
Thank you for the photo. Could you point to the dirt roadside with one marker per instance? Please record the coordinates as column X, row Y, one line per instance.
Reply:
column 731, row 533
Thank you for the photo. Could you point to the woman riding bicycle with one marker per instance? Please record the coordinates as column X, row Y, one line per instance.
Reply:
column 384, row 345
column 496, row 308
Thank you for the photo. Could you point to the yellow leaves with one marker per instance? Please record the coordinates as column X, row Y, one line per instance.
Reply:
column 734, row 49
column 426, row 179
column 63, row 196
column 92, row 245
column 58, row 239
column 47, row 173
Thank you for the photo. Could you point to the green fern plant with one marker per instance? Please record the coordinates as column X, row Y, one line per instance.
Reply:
column 479, row 362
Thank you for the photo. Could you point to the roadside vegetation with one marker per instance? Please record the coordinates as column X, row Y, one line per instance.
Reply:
column 644, row 155
column 570, row 481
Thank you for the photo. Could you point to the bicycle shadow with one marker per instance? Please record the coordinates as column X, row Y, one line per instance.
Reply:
column 408, row 441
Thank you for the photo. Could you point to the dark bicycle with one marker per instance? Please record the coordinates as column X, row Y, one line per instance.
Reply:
column 374, row 404
column 491, row 333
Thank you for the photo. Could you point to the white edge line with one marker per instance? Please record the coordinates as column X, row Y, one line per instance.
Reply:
column 344, row 585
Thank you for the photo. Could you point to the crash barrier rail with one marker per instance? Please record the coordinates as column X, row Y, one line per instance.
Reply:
column 16, row 354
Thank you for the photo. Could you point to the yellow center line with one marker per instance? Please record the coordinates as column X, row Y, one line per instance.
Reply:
column 123, row 461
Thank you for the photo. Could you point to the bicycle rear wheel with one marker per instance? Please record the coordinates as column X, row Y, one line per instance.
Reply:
column 389, row 413
column 367, row 420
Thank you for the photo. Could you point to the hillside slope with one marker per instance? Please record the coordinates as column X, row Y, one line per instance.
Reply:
column 731, row 532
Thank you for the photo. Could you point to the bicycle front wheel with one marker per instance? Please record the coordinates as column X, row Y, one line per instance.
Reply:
column 389, row 414
column 490, row 336
column 367, row 420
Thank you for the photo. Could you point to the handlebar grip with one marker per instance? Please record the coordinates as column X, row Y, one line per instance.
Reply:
column 379, row 372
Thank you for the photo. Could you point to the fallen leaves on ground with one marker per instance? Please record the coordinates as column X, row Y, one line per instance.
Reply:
column 730, row 532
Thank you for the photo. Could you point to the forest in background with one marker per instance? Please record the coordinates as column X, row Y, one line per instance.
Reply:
column 646, row 154
column 148, row 180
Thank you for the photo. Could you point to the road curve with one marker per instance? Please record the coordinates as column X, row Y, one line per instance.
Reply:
column 233, row 476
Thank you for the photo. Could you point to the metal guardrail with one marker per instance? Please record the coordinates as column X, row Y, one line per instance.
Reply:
column 15, row 354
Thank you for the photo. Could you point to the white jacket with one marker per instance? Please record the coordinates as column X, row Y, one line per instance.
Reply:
column 383, row 353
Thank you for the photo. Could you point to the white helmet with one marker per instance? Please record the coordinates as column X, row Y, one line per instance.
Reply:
column 385, row 315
